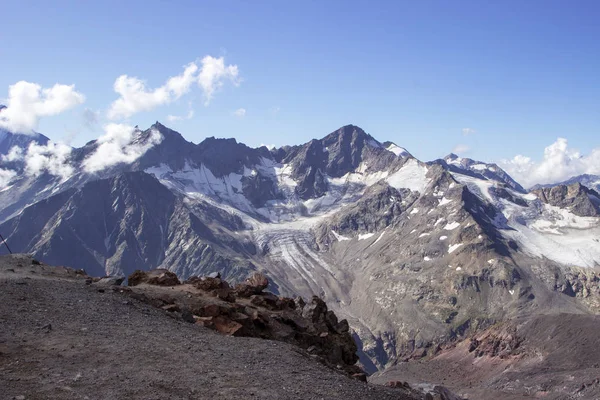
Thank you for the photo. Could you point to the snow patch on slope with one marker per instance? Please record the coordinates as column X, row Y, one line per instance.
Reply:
column 411, row 176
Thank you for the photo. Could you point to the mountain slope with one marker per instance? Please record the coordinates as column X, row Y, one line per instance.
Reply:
column 415, row 255
column 124, row 223
column 62, row 339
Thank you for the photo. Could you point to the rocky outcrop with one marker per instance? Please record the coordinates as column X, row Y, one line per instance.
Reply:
column 160, row 277
column 579, row 199
column 501, row 342
column 247, row 310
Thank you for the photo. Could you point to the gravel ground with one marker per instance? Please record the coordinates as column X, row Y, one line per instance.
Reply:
column 61, row 339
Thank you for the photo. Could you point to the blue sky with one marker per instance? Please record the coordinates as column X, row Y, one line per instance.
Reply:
column 520, row 74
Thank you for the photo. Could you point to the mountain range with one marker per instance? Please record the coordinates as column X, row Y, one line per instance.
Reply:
column 416, row 255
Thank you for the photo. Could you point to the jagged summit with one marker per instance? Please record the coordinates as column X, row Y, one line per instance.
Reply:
column 350, row 133
column 481, row 169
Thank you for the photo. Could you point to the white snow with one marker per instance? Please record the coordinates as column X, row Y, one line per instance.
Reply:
column 379, row 238
column 444, row 201
column 423, row 235
column 458, row 268
column 477, row 186
column 414, row 211
column 453, row 247
column 339, row 237
column 426, row 258
column 451, row 226
column 411, row 176
column 365, row 236
column 443, row 237
column 397, row 150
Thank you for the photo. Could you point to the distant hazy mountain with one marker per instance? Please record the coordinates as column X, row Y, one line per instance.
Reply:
column 590, row 181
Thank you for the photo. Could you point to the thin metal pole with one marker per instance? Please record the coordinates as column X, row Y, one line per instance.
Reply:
column 6, row 244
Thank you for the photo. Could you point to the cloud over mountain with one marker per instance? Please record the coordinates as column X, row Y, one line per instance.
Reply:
column 558, row 164
column 120, row 144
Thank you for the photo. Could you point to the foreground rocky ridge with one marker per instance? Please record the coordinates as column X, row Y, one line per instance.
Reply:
column 246, row 310
column 63, row 339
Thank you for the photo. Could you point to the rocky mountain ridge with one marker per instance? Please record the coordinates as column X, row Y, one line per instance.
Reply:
column 416, row 256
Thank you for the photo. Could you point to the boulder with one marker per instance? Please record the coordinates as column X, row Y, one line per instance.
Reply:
column 255, row 284
column 258, row 281
column 110, row 281
column 315, row 310
column 159, row 277
column 207, row 283
column 225, row 294
column 226, row 326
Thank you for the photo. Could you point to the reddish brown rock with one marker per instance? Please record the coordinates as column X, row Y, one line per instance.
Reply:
column 258, row 281
column 159, row 277
column 361, row 376
column 225, row 294
column 210, row 310
column 398, row 384
column 226, row 326
column 255, row 284
column 207, row 283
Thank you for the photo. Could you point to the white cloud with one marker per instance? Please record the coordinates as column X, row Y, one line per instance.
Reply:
column 120, row 144
column 136, row 97
column 461, row 149
column 52, row 158
column 274, row 110
column 14, row 154
column 173, row 118
column 240, row 112
column 468, row 131
column 268, row 146
column 559, row 163
column 28, row 102
column 213, row 73
column 6, row 176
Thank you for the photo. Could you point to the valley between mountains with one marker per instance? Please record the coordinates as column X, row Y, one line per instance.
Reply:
column 422, row 258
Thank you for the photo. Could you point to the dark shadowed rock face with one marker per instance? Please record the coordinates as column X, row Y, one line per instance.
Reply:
column 579, row 199
column 335, row 155
column 128, row 222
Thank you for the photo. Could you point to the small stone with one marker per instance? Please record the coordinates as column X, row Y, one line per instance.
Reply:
column 361, row 376
column 187, row 316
